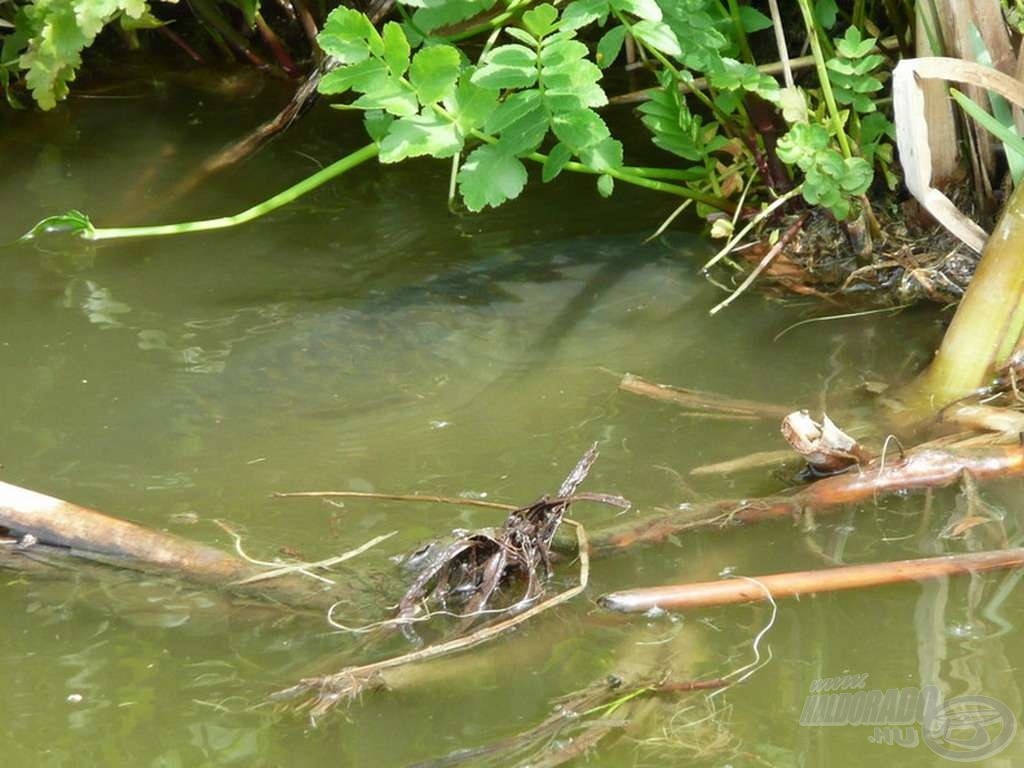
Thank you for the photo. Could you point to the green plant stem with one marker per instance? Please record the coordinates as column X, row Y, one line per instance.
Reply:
column 988, row 323
column 826, row 86
column 289, row 195
column 638, row 177
column 740, row 32
column 624, row 174
column 658, row 173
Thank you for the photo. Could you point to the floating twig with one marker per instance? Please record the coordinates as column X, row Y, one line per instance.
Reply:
column 425, row 498
column 729, row 591
column 706, row 402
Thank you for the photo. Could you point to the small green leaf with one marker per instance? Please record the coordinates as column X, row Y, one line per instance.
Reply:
column 377, row 122
column 562, row 54
column 396, row 48
column 659, row 36
column 434, row 71
column 573, row 86
column 436, row 15
column 853, row 45
column 857, row 176
column 390, row 94
column 345, row 35
column 471, row 105
column 825, row 12
column 793, row 104
column 579, row 129
column 420, row 135
column 513, row 108
column 540, row 21
column 580, row 13
column 72, row 223
column 605, row 185
column 642, row 9
column 753, row 20
column 606, row 155
column 522, row 36
column 609, row 45
column 556, row 162
column 490, row 176
column 362, row 77
column 508, row 66
column 525, row 134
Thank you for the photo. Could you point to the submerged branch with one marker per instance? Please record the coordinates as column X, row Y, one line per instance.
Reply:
column 922, row 468
column 49, row 528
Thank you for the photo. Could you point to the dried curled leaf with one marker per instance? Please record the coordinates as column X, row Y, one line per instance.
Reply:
column 825, row 446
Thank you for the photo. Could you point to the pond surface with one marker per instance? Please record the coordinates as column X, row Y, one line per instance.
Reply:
column 368, row 339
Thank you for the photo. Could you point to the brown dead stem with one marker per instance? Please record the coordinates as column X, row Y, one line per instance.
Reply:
column 727, row 591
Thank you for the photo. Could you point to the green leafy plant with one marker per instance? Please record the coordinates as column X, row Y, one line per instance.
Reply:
column 853, row 72
column 830, row 179
column 50, row 35
column 534, row 97
column 541, row 87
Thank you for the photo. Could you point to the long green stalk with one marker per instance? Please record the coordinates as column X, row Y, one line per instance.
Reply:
column 289, row 195
column 826, row 85
column 988, row 323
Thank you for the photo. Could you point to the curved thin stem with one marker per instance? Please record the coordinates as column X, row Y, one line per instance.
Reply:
column 289, row 195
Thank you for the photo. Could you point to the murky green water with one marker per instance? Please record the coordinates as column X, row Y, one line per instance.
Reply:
column 367, row 339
